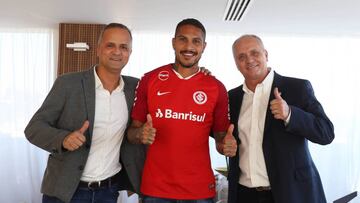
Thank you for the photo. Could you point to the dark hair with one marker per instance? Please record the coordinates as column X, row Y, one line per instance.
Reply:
column 193, row 22
column 113, row 25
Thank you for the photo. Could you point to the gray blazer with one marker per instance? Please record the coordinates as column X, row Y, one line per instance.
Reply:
column 69, row 103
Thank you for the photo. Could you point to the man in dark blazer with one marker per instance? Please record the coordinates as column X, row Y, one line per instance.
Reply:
column 82, row 124
column 274, row 117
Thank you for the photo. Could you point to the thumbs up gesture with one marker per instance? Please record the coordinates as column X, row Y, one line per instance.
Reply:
column 76, row 139
column 229, row 145
column 278, row 106
column 148, row 132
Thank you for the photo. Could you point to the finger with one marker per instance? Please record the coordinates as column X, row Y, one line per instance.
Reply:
column 148, row 140
column 152, row 135
column 79, row 140
column 275, row 102
column 149, row 120
column 205, row 71
column 74, row 146
column 230, row 129
column 70, row 146
column 84, row 127
column 277, row 93
column 230, row 152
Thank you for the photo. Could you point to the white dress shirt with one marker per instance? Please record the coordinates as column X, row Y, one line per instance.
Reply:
column 251, row 131
column 111, row 116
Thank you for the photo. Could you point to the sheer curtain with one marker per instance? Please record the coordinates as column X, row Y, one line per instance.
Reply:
column 26, row 74
column 330, row 63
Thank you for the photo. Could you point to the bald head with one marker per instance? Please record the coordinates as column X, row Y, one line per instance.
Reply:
column 247, row 36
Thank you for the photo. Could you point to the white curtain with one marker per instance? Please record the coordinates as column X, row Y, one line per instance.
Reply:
column 330, row 63
column 26, row 74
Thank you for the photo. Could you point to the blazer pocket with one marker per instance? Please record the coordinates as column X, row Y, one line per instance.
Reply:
column 52, row 172
column 304, row 173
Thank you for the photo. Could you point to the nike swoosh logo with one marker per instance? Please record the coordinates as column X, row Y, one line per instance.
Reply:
column 162, row 93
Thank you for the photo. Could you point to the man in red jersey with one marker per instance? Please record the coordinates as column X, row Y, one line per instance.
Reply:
column 176, row 107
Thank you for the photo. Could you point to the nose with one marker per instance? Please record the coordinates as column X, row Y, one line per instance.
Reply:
column 117, row 51
column 189, row 46
column 249, row 59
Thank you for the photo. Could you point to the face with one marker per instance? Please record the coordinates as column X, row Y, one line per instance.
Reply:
column 251, row 59
column 188, row 44
column 114, row 49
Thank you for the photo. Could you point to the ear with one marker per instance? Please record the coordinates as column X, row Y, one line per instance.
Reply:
column 97, row 50
column 266, row 55
column 173, row 43
column 130, row 50
column 204, row 46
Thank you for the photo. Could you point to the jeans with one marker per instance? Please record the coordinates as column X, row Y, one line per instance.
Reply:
column 148, row 199
column 87, row 195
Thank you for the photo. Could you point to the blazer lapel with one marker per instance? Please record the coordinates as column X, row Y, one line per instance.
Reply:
column 269, row 116
column 236, row 102
column 129, row 96
column 88, row 83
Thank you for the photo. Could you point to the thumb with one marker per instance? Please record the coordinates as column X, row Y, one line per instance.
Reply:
column 230, row 130
column 84, row 127
column 149, row 120
column 277, row 93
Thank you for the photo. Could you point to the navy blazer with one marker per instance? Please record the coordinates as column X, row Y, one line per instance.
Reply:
column 292, row 173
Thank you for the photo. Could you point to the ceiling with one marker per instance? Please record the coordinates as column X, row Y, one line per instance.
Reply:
column 301, row 17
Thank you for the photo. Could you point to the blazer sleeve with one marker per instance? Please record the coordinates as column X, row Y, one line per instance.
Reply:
column 41, row 130
column 310, row 120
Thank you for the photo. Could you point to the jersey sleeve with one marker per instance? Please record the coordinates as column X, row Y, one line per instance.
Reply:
column 221, row 112
column 140, row 108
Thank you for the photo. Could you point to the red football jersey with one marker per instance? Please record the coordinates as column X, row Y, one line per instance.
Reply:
column 184, row 111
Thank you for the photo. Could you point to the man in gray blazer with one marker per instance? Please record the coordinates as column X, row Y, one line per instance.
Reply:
column 82, row 124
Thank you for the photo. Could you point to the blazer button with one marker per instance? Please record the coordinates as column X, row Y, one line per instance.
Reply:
column 81, row 167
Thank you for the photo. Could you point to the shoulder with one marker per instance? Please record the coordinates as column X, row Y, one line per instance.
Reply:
column 130, row 79
column 163, row 73
column 164, row 68
column 73, row 77
column 130, row 82
column 235, row 90
column 210, row 79
column 291, row 81
column 76, row 75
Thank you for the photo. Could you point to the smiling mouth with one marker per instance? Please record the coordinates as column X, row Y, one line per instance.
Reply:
column 252, row 66
column 113, row 59
column 188, row 54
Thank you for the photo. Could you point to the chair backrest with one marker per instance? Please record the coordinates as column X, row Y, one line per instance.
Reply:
column 346, row 198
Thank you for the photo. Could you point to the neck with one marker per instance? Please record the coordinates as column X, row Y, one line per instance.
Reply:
column 251, row 84
column 185, row 72
column 108, row 79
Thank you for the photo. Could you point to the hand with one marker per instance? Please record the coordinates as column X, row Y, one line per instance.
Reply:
column 148, row 132
column 229, row 142
column 205, row 71
column 76, row 139
column 279, row 108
